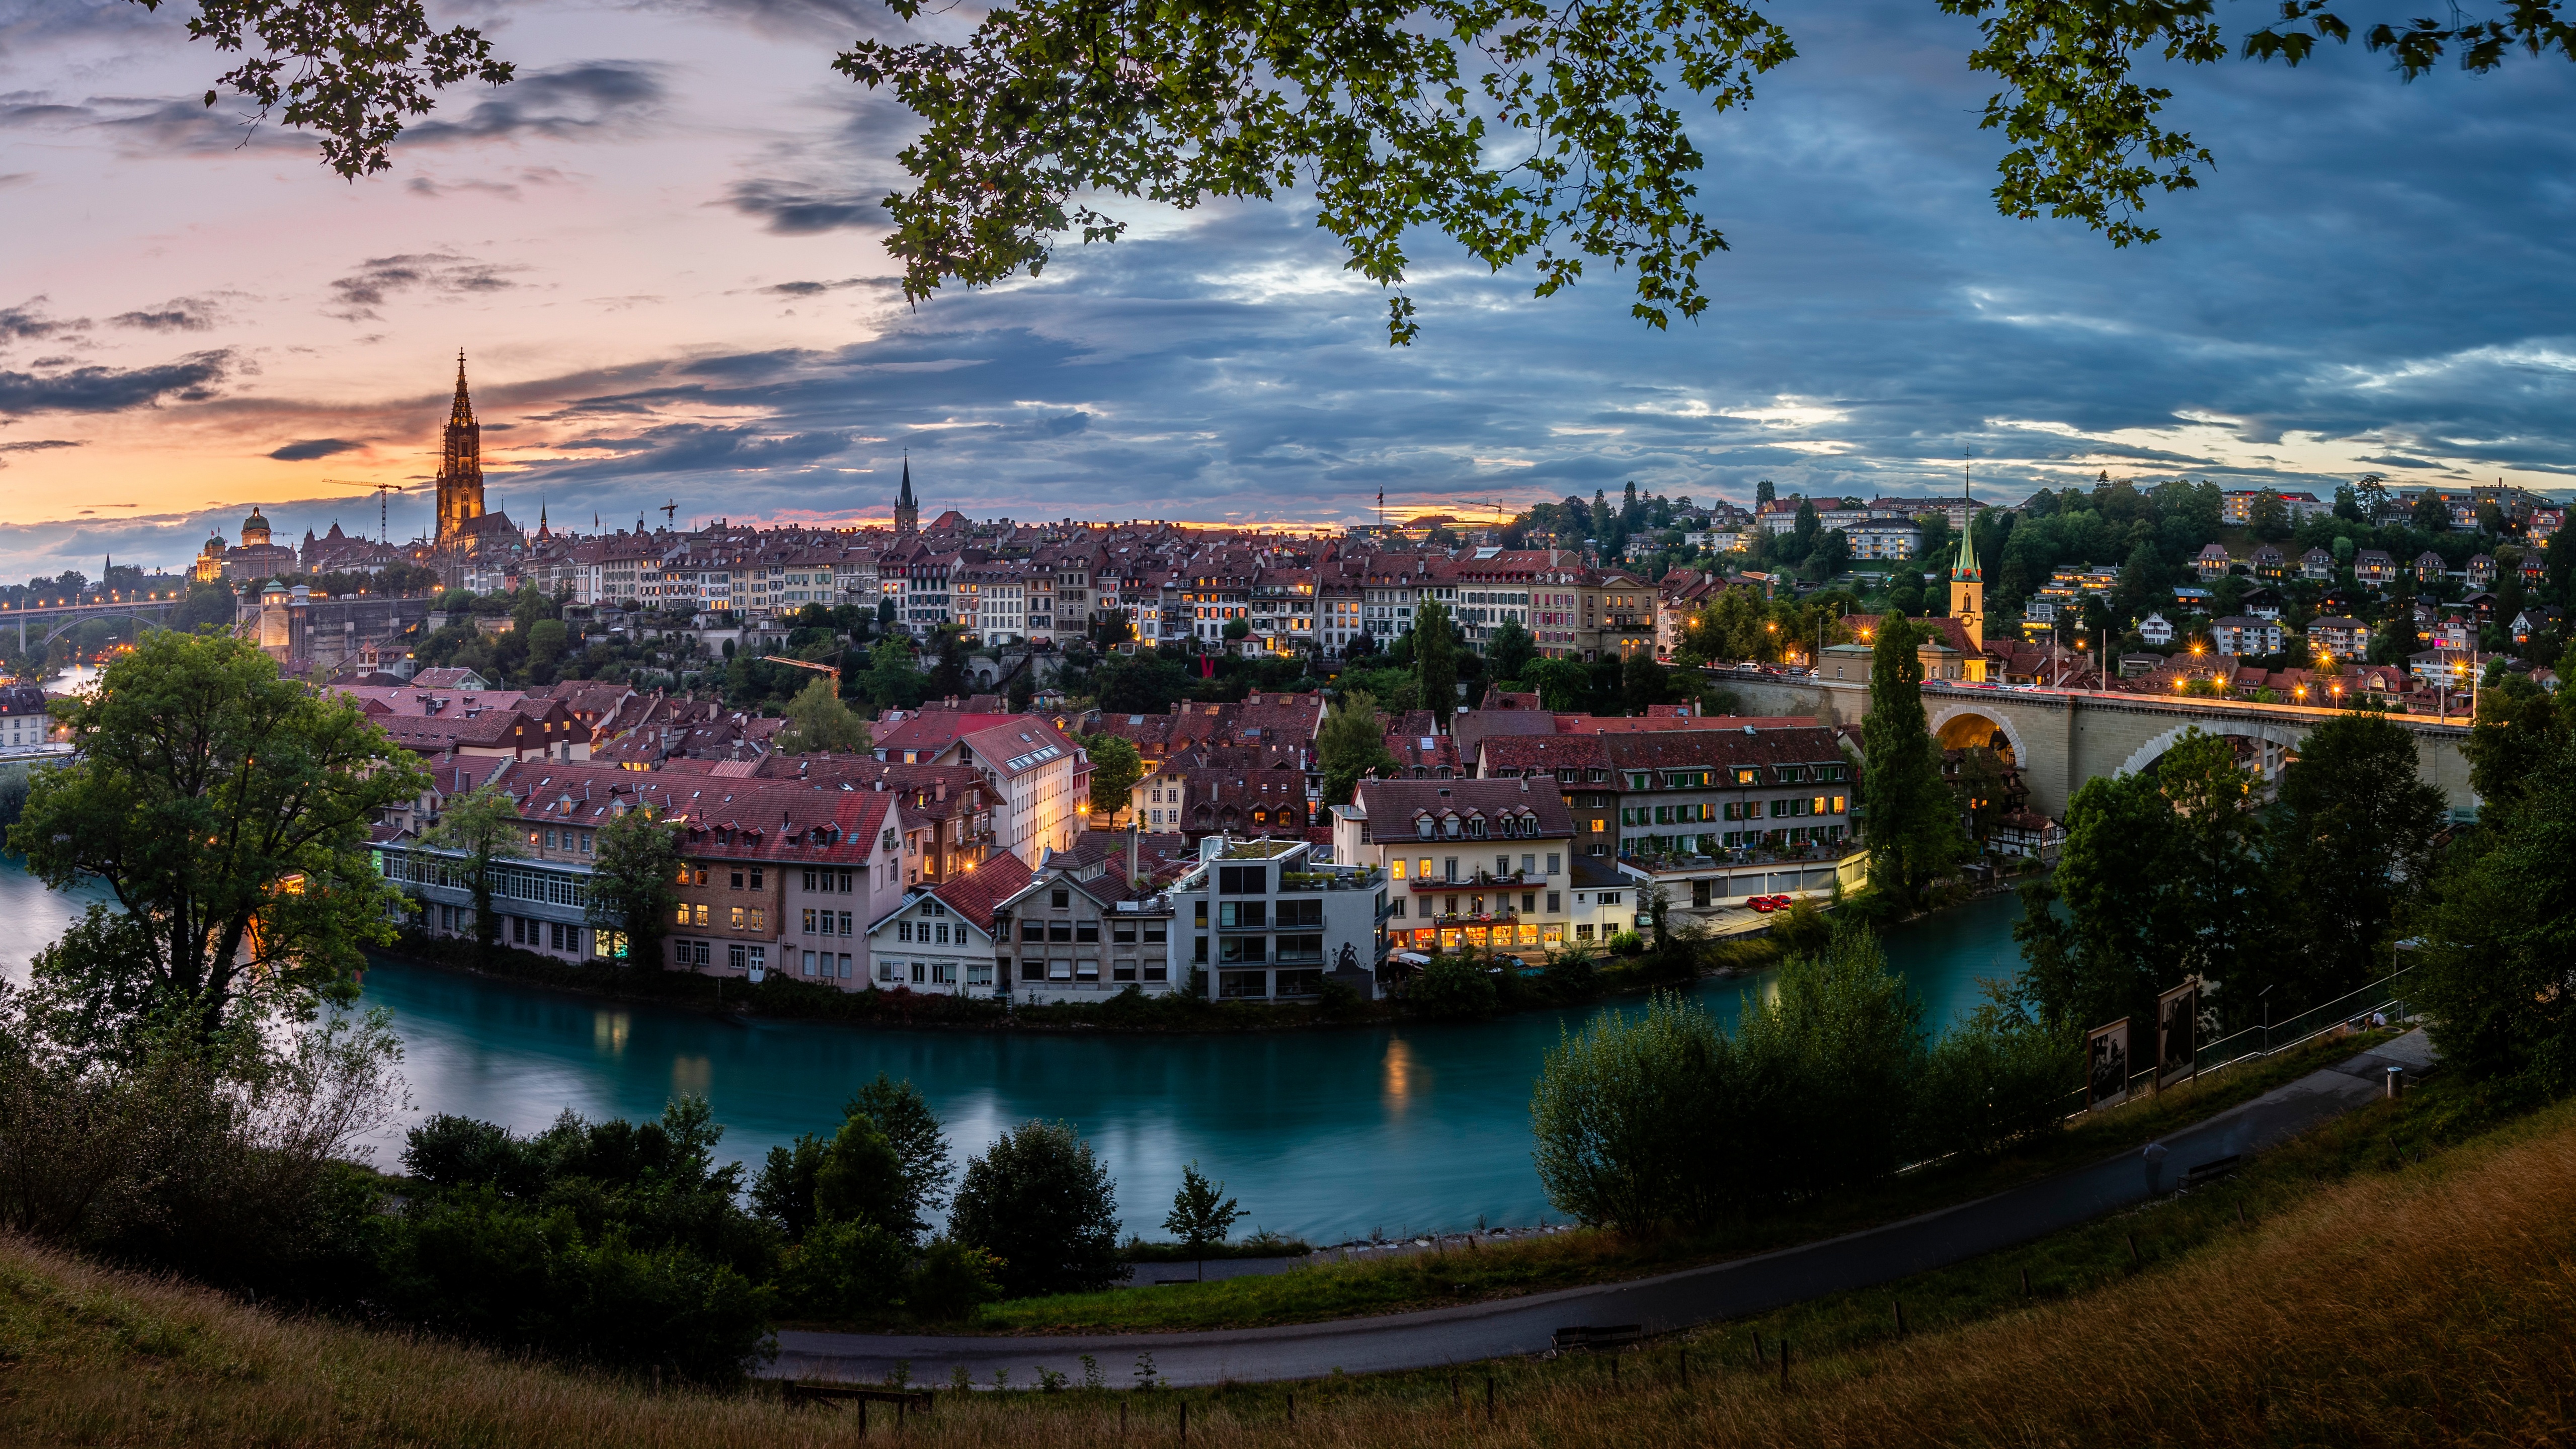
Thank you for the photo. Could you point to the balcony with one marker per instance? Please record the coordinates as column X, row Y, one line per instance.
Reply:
column 1483, row 880
column 1843, row 849
column 1299, row 882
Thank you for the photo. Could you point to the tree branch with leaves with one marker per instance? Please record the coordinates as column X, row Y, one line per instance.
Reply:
column 227, row 811
column 482, row 827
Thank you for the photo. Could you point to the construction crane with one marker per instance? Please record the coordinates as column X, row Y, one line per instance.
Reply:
column 670, row 512
column 833, row 670
column 383, row 532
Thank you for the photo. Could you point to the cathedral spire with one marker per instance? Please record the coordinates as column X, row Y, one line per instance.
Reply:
column 460, row 464
column 907, row 513
column 463, row 411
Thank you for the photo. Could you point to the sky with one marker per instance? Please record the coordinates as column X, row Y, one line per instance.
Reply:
column 661, row 251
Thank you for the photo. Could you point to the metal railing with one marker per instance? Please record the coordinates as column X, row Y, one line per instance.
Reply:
column 2378, row 1003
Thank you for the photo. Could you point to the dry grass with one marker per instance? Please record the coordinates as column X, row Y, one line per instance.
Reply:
column 2404, row 1305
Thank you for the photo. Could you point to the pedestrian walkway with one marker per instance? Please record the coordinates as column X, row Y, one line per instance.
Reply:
column 1732, row 1289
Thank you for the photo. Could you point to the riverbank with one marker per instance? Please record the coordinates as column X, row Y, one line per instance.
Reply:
column 1446, row 1270
column 1569, row 983
column 2370, row 1283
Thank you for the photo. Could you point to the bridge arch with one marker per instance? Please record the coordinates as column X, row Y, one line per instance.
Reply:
column 68, row 622
column 1963, row 725
column 2284, row 735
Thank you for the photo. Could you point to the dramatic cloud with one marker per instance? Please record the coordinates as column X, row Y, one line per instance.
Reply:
column 562, row 103
column 308, row 449
column 27, row 323
column 357, row 295
column 109, row 389
column 179, row 314
column 792, row 210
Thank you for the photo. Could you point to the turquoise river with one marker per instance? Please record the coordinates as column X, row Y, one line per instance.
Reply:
column 1325, row 1134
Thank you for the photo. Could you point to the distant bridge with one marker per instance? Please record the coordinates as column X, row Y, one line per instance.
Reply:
column 2060, row 738
column 56, row 620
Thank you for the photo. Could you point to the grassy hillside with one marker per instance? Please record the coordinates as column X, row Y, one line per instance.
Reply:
column 2362, row 1298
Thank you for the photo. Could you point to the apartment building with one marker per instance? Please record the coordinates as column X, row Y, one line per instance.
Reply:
column 1695, row 792
column 1084, row 927
column 949, row 939
column 1263, row 921
column 1469, row 863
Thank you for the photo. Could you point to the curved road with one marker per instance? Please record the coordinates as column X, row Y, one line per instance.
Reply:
column 1741, row 1286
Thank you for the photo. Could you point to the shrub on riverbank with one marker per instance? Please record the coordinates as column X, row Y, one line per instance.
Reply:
column 1661, row 1121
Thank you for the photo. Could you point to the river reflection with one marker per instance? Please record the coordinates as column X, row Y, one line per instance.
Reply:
column 1326, row 1134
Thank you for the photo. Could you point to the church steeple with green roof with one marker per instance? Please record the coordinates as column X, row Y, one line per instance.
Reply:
column 1968, row 581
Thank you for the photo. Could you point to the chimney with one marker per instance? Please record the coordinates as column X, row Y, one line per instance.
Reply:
column 941, row 787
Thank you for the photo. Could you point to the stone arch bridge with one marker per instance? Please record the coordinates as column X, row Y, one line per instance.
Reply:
column 2062, row 738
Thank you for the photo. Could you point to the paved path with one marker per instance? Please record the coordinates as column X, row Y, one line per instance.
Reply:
column 1674, row 1300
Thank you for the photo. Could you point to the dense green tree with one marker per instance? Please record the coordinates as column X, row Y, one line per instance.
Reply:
column 208, row 604
column 2499, row 933
column 2431, row 514
column 1510, row 651
column 1350, row 745
column 1041, row 1202
column 548, row 640
column 634, row 884
column 783, row 1191
column 2518, row 726
column 1829, row 1059
column 1643, row 683
column 1115, row 769
column 1912, row 827
column 898, row 1110
column 482, row 827
column 2354, row 841
column 859, row 1179
column 1435, row 661
column 892, row 681
column 2112, row 950
column 1139, row 683
column 226, row 810
column 1562, row 684
column 817, row 721
column 2211, row 877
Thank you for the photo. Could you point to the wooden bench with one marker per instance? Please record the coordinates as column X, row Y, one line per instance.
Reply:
column 1612, row 1336
column 805, row 1390
column 2210, row 1171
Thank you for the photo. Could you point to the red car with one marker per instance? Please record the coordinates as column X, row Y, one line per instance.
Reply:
column 1768, row 904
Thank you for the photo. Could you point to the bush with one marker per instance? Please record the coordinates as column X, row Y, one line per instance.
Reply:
column 1664, row 1120
column 1627, row 943
column 480, row 1268
column 846, row 1269
column 1040, row 1202
column 1451, row 986
column 1802, row 929
column 1831, row 1060
column 1994, row 1079
column 953, row 1281
column 1620, row 1113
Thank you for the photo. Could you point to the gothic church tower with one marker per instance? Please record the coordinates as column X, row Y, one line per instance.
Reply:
column 907, row 513
column 460, row 464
